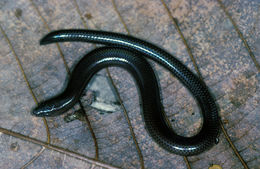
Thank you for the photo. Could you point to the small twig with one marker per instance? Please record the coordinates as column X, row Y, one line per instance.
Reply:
column 33, row 158
column 187, row 162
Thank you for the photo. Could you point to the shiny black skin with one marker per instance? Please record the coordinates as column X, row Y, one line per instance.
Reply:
column 128, row 52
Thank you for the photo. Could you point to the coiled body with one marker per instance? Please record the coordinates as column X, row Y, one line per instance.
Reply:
column 128, row 52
